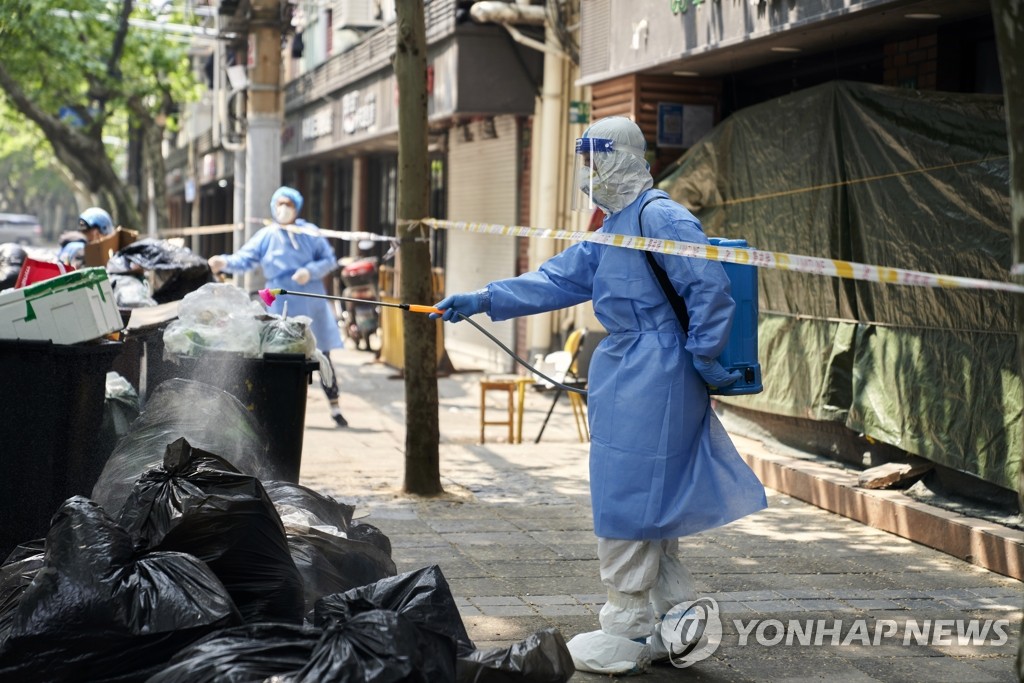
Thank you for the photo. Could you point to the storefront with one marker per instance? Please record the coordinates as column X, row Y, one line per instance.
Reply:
column 340, row 149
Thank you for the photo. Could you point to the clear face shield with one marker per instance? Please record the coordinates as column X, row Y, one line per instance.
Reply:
column 590, row 171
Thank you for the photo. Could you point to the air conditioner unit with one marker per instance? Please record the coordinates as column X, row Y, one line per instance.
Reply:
column 357, row 14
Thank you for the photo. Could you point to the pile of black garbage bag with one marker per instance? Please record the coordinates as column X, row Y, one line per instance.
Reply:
column 201, row 571
column 174, row 272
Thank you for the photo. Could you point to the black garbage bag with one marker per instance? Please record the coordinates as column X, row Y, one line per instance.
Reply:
column 543, row 657
column 422, row 596
column 325, row 510
column 210, row 419
column 197, row 503
column 334, row 564
column 368, row 533
column 99, row 611
column 243, row 654
column 12, row 256
column 176, row 271
column 16, row 573
column 321, row 543
column 379, row 646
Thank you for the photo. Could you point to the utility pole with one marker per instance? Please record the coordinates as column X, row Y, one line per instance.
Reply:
column 263, row 121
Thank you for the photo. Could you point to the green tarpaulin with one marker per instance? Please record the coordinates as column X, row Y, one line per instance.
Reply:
column 889, row 177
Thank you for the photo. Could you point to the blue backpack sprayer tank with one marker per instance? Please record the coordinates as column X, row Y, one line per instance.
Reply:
column 740, row 352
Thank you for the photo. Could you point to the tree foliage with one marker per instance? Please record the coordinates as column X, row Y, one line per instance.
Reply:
column 31, row 186
column 90, row 81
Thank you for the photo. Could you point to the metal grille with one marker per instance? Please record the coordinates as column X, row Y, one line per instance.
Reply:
column 595, row 37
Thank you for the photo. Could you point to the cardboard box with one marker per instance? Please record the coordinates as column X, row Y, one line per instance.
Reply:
column 67, row 309
column 99, row 252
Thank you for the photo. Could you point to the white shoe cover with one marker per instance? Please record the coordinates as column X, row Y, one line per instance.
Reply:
column 659, row 650
column 600, row 653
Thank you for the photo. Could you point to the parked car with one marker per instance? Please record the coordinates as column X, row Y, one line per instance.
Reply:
column 20, row 228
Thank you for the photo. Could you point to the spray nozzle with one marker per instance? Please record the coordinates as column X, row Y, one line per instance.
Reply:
column 269, row 295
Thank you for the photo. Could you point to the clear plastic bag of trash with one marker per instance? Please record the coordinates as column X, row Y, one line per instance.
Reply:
column 287, row 335
column 197, row 503
column 131, row 291
column 99, row 610
column 294, row 335
column 210, row 418
column 218, row 317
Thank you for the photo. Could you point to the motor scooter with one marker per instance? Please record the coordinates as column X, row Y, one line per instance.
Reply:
column 360, row 321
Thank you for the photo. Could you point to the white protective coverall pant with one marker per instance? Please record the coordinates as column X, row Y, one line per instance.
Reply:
column 645, row 580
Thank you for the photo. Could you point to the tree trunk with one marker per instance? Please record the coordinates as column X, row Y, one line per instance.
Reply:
column 151, row 132
column 81, row 152
column 1008, row 18
column 422, row 434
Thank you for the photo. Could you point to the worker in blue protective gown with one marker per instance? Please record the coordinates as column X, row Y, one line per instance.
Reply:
column 661, row 464
column 295, row 257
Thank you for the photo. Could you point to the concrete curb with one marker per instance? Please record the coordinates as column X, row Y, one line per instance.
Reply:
column 982, row 543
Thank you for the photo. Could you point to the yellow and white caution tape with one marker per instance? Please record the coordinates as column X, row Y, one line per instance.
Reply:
column 348, row 235
column 751, row 257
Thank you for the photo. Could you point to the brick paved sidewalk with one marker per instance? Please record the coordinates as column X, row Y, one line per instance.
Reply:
column 513, row 536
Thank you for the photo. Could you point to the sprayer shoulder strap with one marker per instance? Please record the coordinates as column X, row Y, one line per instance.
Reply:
column 674, row 298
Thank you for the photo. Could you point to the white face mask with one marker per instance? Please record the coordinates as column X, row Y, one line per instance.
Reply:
column 285, row 214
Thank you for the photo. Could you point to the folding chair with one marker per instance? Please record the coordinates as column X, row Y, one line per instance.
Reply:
column 564, row 365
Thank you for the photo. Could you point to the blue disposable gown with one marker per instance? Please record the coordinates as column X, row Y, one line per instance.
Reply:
column 272, row 248
column 661, row 464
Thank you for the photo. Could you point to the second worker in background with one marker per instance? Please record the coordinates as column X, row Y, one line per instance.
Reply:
column 295, row 257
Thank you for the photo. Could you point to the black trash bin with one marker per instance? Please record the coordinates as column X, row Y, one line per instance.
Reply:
column 52, row 410
column 273, row 388
column 142, row 361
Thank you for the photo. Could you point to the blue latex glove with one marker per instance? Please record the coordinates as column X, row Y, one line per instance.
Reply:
column 468, row 303
column 713, row 373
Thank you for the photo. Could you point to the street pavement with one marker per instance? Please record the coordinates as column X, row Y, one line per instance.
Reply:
column 803, row 594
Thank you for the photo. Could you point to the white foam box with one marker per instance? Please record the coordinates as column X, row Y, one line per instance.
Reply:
column 68, row 309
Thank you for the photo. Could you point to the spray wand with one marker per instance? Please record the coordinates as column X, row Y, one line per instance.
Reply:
column 270, row 295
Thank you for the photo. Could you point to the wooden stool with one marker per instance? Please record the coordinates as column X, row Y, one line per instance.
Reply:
column 509, row 387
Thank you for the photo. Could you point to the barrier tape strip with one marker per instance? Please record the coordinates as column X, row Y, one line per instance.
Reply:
column 750, row 257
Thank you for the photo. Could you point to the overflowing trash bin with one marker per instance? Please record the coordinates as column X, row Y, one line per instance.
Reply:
column 225, row 339
column 273, row 388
